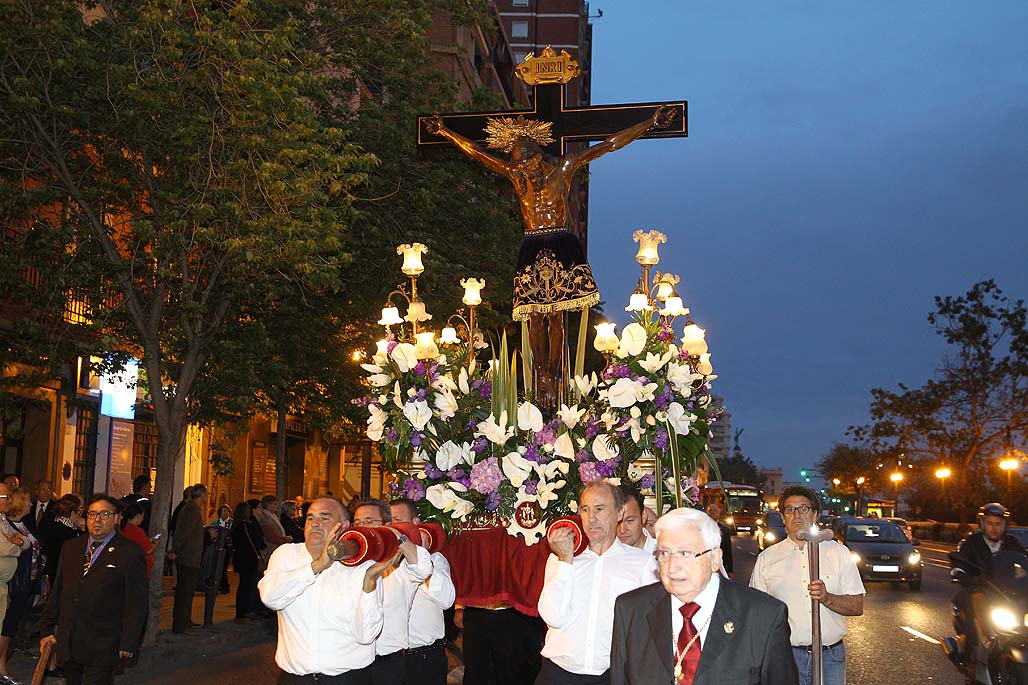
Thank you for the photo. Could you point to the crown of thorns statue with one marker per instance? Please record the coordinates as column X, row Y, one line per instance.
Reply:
column 503, row 132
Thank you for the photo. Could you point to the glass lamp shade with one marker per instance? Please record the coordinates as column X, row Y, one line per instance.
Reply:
column 692, row 340
column 390, row 316
column 666, row 287
column 606, row 339
column 638, row 303
column 381, row 352
column 412, row 265
column 472, row 291
column 673, row 307
column 424, row 347
column 416, row 312
column 449, row 336
column 704, row 366
column 648, row 242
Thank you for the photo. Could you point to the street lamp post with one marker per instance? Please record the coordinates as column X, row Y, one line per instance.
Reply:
column 895, row 478
column 860, row 481
column 1008, row 465
column 942, row 474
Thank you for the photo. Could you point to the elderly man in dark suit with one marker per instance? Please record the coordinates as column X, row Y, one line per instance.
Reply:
column 693, row 627
column 98, row 603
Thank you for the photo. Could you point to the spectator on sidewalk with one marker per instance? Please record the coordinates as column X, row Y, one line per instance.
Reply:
column 42, row 509
column 291, row 524
column 271, row 524
column 141, row 495
column 247, row 559
column 21, row 584
column 132, row 519
column 187, row 546
column 67, row 524
column 97, row 609
column 714, row 512
column 224, row 520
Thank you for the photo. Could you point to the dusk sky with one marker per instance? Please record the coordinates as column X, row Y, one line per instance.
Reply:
column 846, row 162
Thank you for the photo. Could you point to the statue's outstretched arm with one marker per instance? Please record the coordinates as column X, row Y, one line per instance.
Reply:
column 437, row 127
column 660, row 119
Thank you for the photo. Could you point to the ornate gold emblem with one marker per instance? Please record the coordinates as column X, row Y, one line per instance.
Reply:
column 528, row 514
column 502, row 133
column 729, row 627
column 548, row 67
column 547, row 286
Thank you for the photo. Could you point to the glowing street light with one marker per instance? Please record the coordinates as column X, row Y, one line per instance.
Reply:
column 1008, row 465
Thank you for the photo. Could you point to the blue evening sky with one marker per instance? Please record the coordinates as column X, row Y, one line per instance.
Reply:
column 846, row 163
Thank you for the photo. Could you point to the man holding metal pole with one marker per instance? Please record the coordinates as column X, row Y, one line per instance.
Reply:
column 784, row 571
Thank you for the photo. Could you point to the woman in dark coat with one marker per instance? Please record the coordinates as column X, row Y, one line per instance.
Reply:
column 68, row 523
column 247, row 548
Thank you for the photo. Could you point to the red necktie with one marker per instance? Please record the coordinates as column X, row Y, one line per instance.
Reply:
column 689, row 657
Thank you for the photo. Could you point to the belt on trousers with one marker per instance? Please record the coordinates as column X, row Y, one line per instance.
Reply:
column 441, row 642
column 824, row 648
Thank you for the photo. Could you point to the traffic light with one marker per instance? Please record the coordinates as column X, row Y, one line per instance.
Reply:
column 803, row 473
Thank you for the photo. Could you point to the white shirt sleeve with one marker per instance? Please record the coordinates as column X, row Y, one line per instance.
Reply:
column 285, row 579
column 439, row 587
column 368, row 616
column 422, row 569
column 757, row 581
column 555, row 601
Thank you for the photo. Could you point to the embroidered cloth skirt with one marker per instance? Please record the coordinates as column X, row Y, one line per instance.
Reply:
column 552, row 274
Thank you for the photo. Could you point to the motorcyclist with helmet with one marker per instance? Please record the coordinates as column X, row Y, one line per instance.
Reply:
column 970, row 563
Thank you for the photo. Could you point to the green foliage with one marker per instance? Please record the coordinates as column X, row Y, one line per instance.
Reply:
column 738, row 468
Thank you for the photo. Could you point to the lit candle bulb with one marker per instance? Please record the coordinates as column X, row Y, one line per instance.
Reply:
column 704, row 366
column 390, row 316
column 416, row 312
column 648, row 242
column 381, row 352
column 674, row 307
column 638, row 303
column 606, row 340
column 424, row 347
column 449, row 336
column 412, row 265
column 692, row 340
column 472, row 291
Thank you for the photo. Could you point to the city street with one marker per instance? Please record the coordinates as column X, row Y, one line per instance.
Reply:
column 893, row 642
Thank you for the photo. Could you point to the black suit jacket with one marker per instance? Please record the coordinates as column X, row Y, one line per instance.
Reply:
column 30, row 518
column 101, row 612
column 747, row 640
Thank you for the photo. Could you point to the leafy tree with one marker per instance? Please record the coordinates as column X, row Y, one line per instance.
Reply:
column 849, row 464
column 169, row 162
column 975, row 406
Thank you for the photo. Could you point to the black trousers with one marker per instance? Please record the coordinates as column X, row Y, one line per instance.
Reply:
column 427, row 665
column 247, row 596
column 186, row 578
column 389, row 670
column 552, row 674
column 358, row 677
column 79, row 674
column 501, row 647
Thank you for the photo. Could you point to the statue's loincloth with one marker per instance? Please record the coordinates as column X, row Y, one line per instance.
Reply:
column 552, row 274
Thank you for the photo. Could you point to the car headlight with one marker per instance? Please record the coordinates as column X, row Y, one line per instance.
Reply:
column 856, row 558
column 760, row 521
column 914, row 558
column 730, row 520
column 769, row 536
column 1004, row 619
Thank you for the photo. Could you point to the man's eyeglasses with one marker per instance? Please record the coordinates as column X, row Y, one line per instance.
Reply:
column 664, row 556
column 803, row 509
column 99, row 515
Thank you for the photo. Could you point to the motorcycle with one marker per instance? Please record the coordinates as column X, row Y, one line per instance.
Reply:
column 1000, row 656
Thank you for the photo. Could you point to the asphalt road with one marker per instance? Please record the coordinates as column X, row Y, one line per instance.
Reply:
column 895, row 641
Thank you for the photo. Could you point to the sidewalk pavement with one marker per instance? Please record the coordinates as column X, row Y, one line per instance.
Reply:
column 173, row 651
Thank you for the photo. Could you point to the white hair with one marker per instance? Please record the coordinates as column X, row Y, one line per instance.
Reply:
column 685, row 517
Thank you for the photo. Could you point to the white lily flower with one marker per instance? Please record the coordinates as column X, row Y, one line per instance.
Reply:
column 624, row 393
column 604, row 449
column 652, row 363
column 431, row 429
column 372, row 368
column 451, row 454
column 573, row 506
column 564, row 447
column 376, row 423
column 517, row 469
column 444, row 383
column 609, row 420
column 496, row 433
column 445, row 403
column 529, row 417
column 548, row 471
column 462, row 381
column 397, row 395
column 461, row 509
column 681, row 378
column 547, row 492
column 379, row 380
column 586, row 384
column 403, row 355
column 417, row 413
column 633, row 340
column 446, row 500
column 704, row 401
column 570, row 415
column 680, row 419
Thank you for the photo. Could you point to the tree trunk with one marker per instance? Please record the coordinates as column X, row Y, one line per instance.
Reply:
column 280, row 453
column 170, row 445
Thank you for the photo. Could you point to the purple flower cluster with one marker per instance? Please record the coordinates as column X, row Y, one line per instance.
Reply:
column 647, row 481
column 666, row 333
column 416, row 438
column 479, row 445
column 582, row 455
column 592, row 428
column 492, row 501
column 414, row 490
column 532, row 453
column 457, row 475
column 532, row 487
column 432, row 472
column 665, row 398
column 587, row 472
column 486, row 476
column 616, row 371
column 392, row 435
column 419, row 369
column 483, row 388
column 660, row 438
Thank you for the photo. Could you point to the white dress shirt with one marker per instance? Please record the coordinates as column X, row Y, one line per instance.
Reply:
column 701, row 619
column 781, row 571
column 39, row 510
column 398, row 588
column 577, row 603
column 434, row 596
column 326, row 622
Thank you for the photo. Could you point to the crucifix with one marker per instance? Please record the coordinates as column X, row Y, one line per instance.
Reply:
column 552, row 275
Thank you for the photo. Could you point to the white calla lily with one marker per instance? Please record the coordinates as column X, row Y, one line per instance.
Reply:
column 372, row 368
column 418, row 413
column 379, row 380
column 548, row 471
column 624, row 393
column 517, row 469
column 633, row 340
column 564, row 447
column 603, row 449
column 653, row 363
column 376, row 423
column 462, row 381
column 570, row 415
column 496, row 433
column 448, row 455
column 403, row 355
column 445, row 403
column 529, row 417
column 679, row 418
column 397, row 395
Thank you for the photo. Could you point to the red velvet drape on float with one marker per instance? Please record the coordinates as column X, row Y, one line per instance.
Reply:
column 489, row 566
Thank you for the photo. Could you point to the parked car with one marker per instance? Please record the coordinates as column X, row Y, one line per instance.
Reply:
column 904, row 526
column 1021, row 534
column 770, row 530
column 881, row 551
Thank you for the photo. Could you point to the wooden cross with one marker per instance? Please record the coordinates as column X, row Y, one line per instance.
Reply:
column 570, row 124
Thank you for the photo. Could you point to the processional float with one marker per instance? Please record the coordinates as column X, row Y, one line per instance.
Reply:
column 496, row 461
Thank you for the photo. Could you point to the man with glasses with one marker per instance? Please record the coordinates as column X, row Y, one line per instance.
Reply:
column 782, row 571
column 577, row 600
column 694, row 627
column 98, row 603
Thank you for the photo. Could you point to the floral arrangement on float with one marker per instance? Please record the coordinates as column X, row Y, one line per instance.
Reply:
column 471, row 453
